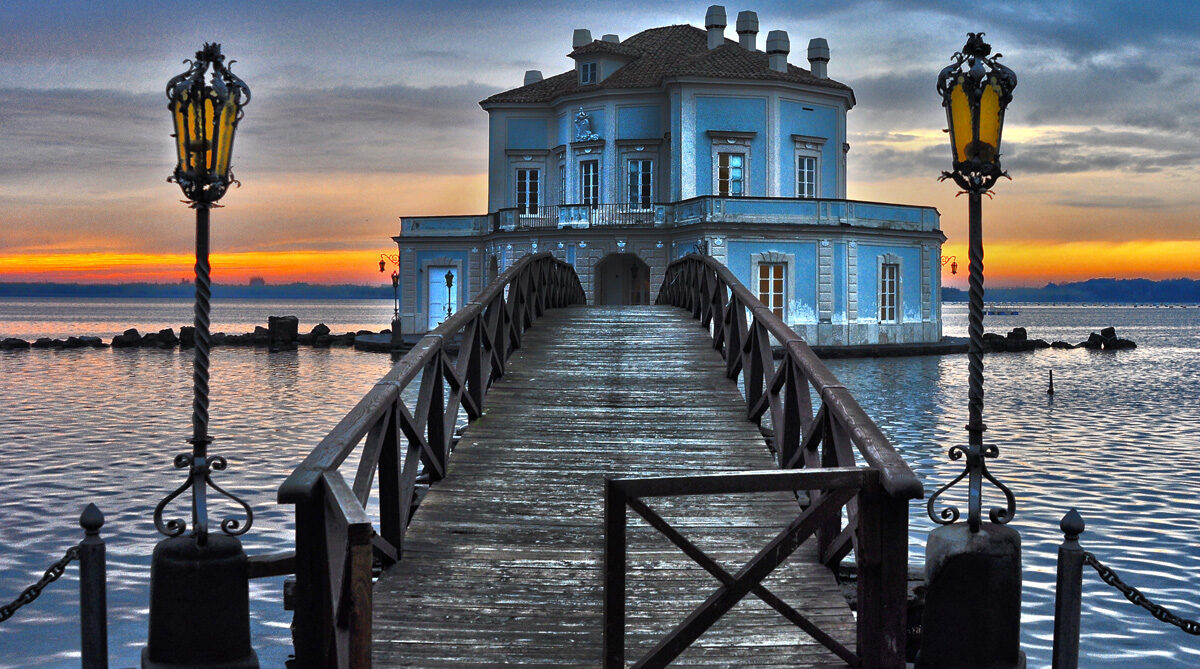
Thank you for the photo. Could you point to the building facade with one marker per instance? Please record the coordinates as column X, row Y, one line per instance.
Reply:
column 678, row 140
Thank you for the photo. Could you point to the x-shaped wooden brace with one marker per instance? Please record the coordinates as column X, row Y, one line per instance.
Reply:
column 748, row 579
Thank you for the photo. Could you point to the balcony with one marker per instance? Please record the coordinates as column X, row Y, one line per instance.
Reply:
column 557, row 217
column 717, row 209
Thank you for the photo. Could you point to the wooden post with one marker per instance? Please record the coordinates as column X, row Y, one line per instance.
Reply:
column 882, row 554
column 614, row 575
column 359, row 574
column 93, row 606
column 1068, row 593
column 313, row 619
column 392, row 509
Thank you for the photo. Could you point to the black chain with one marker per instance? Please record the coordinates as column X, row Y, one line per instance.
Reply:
column 31, row 593
column 1134, row 595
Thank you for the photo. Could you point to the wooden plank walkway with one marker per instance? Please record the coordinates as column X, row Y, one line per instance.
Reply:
column 502, row 562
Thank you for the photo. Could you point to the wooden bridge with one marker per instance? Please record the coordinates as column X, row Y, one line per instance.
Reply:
column 523, row 550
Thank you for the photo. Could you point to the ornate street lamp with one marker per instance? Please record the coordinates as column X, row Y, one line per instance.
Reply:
column 199, row 587
column 449, row 286
column 975, row 90
column 394, row 258
column 972, row 614
column 953, row 260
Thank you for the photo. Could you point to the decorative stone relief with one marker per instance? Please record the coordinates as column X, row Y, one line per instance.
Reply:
column 583, row 127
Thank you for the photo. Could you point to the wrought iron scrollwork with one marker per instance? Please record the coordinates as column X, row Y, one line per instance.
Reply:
column 199, row 479
column 976, row 472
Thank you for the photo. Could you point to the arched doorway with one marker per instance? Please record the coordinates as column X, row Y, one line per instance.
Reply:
column 622, row 278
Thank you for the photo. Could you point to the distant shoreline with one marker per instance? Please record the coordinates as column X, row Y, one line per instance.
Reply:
column 1092, row 291
column 290, row 291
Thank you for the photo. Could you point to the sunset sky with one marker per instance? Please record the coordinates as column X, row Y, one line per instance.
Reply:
column 366, row 111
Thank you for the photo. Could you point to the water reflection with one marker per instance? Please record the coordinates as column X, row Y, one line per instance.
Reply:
column 1118, row 441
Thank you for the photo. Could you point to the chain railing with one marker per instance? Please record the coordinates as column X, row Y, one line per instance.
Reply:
column 1069, row 594
column 31, row 593
column 1135, row 596
column 93, row 622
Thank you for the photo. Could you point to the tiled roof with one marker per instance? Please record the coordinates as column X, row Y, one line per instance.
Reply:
column 600, row 46
column 660, row 53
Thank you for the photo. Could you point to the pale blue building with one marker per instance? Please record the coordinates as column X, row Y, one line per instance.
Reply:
column 676, row 140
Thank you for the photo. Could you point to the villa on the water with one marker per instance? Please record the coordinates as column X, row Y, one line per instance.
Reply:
column 678, row 140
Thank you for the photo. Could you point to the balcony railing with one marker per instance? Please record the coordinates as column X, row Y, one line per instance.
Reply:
column 559, row 216
column 718, row 209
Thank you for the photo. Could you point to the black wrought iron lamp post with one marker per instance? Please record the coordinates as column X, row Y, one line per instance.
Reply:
column 394, row 258
column 449, row 293
column 199, row 584
column 973, row 570
column 976, row 90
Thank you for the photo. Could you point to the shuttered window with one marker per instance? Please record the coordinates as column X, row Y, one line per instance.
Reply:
column 771, row 280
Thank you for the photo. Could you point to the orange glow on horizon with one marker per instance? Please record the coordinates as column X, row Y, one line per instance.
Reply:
column 330, row 267
column 1032, row 263
column 1035, row 263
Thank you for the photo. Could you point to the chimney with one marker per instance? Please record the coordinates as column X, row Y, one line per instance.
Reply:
column 818, row 57
column 532, row 76
column 582, row 37
column 714, row 21
column 778, row 47
column 747, row 30
column 611, row 38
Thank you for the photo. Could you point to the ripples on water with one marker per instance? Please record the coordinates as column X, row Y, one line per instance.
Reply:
column 1118, row 441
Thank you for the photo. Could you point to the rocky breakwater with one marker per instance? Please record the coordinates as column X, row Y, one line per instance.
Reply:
column 1018, row 340
column 281, row 333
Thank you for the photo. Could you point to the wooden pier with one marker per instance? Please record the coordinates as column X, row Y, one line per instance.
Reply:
column 503, row 560
column 615, row 495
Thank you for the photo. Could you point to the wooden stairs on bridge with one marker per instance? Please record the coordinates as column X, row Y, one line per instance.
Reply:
column 502, row 562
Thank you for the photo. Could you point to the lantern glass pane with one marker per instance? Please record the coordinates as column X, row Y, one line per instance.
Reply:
column 224, row 137
column 961, row 124
column 195, row 142
column 179, row 118
column 210, row 133
column 989, row 123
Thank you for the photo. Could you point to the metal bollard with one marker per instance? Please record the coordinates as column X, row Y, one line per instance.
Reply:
column 1068, row 593
column 93, row 620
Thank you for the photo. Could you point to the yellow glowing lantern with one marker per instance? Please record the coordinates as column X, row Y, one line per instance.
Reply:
column 976, row 89
column 205, row 112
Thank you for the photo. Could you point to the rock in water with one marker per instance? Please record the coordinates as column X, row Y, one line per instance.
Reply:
column 283, row 331
column 167, row 338
column 187, row 336
column 320, row 330
column 13, row 343
column 130, row 337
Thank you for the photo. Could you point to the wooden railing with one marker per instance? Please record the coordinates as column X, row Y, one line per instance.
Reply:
column 877, row 516
column 337, row 544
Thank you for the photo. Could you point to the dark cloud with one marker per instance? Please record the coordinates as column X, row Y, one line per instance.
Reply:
column 438, row 130
column 106, row 133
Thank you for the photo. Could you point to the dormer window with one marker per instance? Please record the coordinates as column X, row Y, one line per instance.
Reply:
column 587, row 73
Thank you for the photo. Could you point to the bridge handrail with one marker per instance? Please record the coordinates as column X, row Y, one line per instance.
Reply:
column 336, row 542
column 876, row 515
column 896, row 477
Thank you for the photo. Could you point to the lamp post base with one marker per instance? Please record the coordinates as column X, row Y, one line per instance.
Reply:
column 397, row 336
column 973, row 598
column 199, row 605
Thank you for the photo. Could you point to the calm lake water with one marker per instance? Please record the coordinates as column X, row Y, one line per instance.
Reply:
column 1118, row 441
